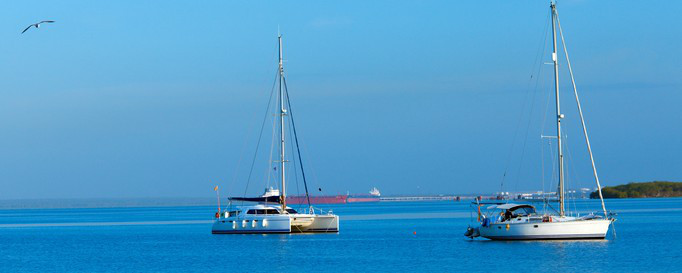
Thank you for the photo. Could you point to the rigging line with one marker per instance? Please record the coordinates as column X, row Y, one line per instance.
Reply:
column 311, row 167
column 543, row 124
column 554, row 167
column 535, row 91
column 511, row 149
column 573, row 172
column 234, row 177
column 295, row 169
column 542, row 164
column 582, row 118
column 525, row 139
column 544, row 116
column 543, row 42
column 523, row 108
column 568, row 179
column 260, row 136
column 549, row 144
column 550, row 206
column 269, row 165
column 298, row 148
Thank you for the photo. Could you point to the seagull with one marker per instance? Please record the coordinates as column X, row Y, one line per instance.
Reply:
column 37, row 25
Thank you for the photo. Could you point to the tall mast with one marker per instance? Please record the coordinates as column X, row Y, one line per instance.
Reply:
column 559, row 116
column 282, row 113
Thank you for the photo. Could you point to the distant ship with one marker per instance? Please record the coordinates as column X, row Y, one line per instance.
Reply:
column 373, row 196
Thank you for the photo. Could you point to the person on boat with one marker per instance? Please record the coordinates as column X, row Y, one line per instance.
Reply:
column 507, row 215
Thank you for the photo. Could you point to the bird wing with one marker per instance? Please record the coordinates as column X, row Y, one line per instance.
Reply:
column 26, row 29
column 46, row 21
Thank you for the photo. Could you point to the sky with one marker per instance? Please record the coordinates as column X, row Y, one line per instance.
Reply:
column 122, row 99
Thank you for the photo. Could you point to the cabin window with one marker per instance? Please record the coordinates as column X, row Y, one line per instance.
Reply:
column 233, row 213
column 262, row 211
column 523, row 211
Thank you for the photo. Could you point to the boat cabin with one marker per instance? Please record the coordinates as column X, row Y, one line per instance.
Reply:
column 512, row 211
column 259, row 209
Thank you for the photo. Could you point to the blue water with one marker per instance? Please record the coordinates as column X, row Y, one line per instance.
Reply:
column 387, row 236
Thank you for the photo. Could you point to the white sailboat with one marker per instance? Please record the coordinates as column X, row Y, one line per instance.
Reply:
column 521, row 221
column 271, row 214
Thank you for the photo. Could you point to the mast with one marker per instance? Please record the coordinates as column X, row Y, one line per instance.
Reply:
column 282, row 113
column 558, row 111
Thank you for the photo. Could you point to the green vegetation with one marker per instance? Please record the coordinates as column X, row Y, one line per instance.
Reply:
column 642, row 190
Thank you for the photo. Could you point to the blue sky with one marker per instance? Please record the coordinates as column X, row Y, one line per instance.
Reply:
column 163, row 98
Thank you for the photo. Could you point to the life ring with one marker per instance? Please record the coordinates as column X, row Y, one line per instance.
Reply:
column 217, row 215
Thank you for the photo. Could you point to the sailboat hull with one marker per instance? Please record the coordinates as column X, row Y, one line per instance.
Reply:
column 314, row 223
column 566, row 230
column 276, row 223
column 252, row 224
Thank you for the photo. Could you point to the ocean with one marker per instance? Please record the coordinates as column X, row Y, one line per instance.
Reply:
column 383, row 237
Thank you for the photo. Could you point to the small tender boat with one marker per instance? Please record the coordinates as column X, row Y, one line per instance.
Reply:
column 521, row 221
column 271, row 214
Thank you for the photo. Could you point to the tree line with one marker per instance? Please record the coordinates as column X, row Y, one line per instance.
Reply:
column 642, row 190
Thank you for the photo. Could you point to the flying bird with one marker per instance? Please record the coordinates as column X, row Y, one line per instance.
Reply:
column 36, row 25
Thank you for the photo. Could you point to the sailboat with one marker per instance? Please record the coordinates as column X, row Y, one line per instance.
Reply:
column 271, row 214
column 507, row 221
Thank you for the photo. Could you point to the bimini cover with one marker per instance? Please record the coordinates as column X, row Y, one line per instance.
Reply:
column 266, row 199
column 510, row 206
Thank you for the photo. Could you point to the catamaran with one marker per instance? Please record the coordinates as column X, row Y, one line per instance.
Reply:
column 507, row 221
column 271, row 213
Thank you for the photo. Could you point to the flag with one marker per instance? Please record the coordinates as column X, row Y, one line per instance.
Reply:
column 216, row 188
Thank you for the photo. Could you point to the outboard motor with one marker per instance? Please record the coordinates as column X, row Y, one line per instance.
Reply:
column 472, row 232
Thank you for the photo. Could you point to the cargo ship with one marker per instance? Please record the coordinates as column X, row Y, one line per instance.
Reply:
column 373, row 196
column 321, row 199
column 314, row 199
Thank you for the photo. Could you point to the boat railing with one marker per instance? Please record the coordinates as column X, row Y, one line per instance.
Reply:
column 312, row 210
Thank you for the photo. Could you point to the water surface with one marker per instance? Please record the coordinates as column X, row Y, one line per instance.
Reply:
column 387, row 236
